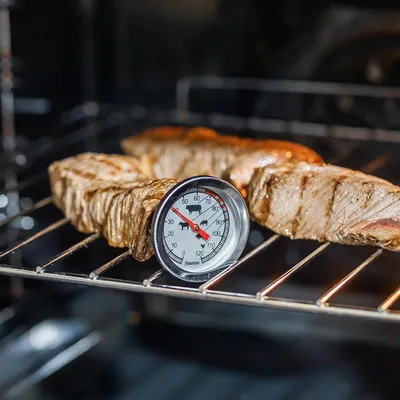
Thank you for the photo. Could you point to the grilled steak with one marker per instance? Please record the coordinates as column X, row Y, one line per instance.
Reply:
column 326, row 203
column 176, row 152
column 109, row 194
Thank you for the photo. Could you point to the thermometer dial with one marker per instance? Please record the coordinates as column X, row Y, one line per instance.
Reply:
column 199, row 228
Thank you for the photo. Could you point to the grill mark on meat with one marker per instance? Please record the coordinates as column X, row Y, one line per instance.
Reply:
column 112, row 164
column 344, row 204
column 329, row 207
column 84, row 174
column 89, row 195
column 268, row 197
column 351, row 207
column 369, row 194
column 296, row 220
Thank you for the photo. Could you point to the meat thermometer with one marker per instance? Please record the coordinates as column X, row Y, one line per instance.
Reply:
column 199, row 228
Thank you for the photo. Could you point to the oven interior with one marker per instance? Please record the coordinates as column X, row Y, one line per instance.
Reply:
column 296, row 320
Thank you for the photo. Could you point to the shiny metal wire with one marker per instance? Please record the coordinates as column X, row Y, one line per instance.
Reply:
column 205, row 291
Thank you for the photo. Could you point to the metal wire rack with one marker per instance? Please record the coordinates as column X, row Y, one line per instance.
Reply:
column 206, row 291
column 182, row 114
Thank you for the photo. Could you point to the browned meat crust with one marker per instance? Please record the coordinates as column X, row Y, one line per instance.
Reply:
column 176, row 152
column 326, row 203
column 109, row 194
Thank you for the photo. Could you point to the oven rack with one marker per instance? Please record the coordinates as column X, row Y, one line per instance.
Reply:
column 108, row 116
column 205, row 291
column 186, row 86
column 183, row 113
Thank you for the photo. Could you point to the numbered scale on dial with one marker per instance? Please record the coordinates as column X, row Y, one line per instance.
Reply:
column 200, row 228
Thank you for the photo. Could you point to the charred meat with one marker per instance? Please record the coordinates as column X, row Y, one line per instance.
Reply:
column 326, row 203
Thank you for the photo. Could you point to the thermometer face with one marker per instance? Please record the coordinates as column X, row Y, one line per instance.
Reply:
column 200, row 228
column 199, row 247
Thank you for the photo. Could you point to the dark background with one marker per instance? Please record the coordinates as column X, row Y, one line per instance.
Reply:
column 140, row 50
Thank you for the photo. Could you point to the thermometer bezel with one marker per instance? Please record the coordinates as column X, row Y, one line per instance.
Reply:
column 236, row 205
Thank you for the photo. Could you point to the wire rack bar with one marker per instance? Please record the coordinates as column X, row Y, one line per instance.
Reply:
column 277, row 282
column 148, row 281
column 266, row 125
column 243, row 260
column 387, row 303
column 186, row 84
column 176, row 287
column 26, row 183
column 91, row 130
column 226, row 297
column 40, row 204
column 52, row 227
column 115, row 261
column 323, row 300
column 68, row 252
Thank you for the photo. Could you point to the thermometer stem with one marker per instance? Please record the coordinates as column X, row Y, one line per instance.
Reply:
column 193, row 226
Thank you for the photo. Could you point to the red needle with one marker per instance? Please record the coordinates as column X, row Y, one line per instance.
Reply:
column 195, row 227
